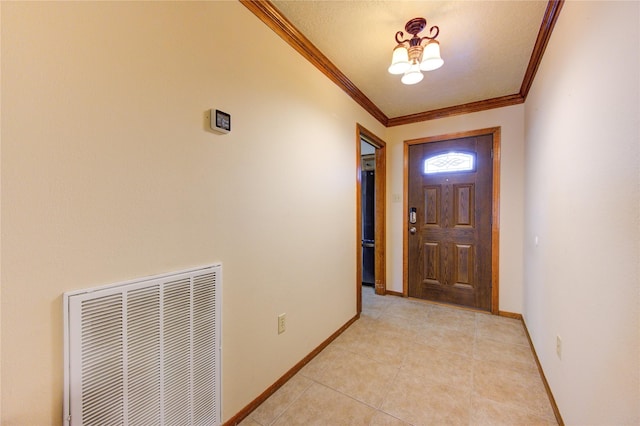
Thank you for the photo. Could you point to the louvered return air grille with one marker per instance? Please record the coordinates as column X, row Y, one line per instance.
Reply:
column 145, row 352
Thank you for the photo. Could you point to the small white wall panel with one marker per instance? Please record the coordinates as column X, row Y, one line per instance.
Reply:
column 145, row 352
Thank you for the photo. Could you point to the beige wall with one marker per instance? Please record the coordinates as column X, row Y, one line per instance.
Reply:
column 109, row 174
column 511, row 122
column 582, row 203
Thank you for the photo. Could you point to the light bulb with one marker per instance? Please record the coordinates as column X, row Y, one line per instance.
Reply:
column 412, row 76
column 431, row 59
column 400, row 60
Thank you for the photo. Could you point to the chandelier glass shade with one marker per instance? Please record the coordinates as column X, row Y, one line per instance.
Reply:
column 411, row 57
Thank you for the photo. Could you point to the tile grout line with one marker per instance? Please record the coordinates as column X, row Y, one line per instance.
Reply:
column 290, row 404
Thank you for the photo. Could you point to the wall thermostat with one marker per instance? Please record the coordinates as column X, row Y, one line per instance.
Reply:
column 220, row 121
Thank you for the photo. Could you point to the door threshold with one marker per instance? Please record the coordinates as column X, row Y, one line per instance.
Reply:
column 450, row 305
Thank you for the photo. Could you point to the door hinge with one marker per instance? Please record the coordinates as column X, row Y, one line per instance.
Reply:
column 491, row 152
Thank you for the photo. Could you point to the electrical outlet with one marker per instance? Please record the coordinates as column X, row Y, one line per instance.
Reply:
column 281, row 323
column 559, row 347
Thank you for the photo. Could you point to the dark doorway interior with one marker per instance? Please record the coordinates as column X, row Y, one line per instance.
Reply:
column 368, row 180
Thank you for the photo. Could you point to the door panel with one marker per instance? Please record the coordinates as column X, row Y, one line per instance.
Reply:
column 463, row 204
column 431, row 262
column 463, row 261
column 449, row 258
column 432, row 205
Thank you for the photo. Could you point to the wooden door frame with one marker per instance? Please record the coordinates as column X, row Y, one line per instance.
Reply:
column 495, row 208
column 380, row 249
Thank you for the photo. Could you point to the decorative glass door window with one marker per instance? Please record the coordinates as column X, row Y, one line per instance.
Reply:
column 449, row 162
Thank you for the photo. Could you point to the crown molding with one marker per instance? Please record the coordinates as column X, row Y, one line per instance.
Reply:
column 483, row 105
column 546, row 28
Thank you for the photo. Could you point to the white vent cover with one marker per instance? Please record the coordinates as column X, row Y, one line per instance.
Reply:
column 145, row 352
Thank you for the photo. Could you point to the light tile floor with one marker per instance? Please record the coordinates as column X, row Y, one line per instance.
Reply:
column 407, row 362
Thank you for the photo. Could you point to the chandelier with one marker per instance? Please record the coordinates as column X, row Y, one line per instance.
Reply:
column 410, row 57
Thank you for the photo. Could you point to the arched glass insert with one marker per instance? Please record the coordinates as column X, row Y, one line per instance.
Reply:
column 449, row 162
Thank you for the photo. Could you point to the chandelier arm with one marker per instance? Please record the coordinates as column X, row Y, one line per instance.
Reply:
column 399, row 36
column 433, row 37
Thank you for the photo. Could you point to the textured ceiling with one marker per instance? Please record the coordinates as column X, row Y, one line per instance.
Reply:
column 486, row 47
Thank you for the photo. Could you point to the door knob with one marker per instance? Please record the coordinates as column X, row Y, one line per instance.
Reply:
column 412, row 230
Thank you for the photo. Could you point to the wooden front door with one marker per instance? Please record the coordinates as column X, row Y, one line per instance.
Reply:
column 449, row 243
